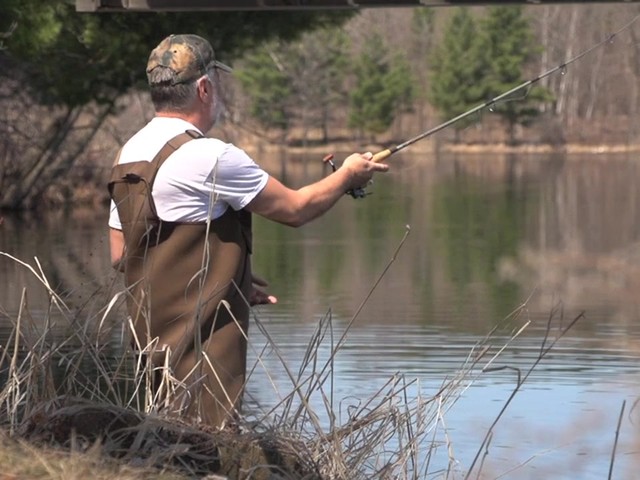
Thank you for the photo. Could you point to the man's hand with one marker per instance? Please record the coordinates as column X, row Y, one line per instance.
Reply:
column 259, row 296
column 361, row 168
column 298, row 207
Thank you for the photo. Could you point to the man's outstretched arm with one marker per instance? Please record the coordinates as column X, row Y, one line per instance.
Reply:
column 297, row 207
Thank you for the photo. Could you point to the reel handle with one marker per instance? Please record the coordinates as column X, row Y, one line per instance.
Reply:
column 354, row 192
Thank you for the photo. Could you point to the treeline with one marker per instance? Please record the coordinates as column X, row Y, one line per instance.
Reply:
column 311, row 82
column 388, row 74
column 68, row 81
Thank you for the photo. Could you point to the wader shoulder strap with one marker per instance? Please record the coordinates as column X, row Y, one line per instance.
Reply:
column 135, row 172
column 171, row 146
column 130, row 187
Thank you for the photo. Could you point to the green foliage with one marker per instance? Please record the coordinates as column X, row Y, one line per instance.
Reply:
column 509, row 43
column 478, row 62
column 458, row 69
column 297, row 81
column 384, row 88
column 423, row 21
column 76, row 65
column 72, row 58
column 40, row 19
column 268, row 86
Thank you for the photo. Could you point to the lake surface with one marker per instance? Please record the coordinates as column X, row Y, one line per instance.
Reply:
column 449, row 255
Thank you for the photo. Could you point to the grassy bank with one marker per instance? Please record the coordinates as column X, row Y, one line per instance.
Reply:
column 75, row 403
column 22, row 460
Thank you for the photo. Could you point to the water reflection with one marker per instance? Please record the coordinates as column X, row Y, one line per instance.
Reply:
column 564, row 414
column 487, row 233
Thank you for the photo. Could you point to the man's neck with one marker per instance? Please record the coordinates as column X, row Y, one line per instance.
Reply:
column 192, row 119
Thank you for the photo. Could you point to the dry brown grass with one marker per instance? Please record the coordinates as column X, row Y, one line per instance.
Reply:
column 76, row 406
column 21, row 460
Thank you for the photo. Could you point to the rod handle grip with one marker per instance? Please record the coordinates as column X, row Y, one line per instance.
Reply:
column 382, row 155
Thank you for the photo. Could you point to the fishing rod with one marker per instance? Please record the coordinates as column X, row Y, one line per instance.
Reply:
column 386, row 153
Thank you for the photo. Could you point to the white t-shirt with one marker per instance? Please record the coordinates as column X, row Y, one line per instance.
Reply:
column 198, row 181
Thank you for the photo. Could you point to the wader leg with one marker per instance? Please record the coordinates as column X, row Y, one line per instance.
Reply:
column 217, row 377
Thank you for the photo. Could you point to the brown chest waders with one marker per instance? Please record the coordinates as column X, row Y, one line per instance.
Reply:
column 188, row 288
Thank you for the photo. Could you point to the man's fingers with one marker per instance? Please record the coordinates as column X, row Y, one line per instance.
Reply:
column 261, row 282
column 375, row 166
column 261, row 298
column 380, row 167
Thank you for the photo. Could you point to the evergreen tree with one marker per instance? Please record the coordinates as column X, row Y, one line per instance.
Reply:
column 458, row 69
column 297, row 82
column 423, row 22
column 384, row 88
column 509, row 42
column 268, row 86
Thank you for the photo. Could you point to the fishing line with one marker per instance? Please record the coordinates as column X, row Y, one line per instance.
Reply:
column 490, row 104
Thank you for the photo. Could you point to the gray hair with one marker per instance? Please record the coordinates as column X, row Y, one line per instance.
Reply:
column 167, row 97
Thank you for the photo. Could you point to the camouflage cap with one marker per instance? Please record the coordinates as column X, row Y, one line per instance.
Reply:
column 189, row 56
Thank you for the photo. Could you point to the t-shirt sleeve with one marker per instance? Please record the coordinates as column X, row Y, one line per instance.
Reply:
column 114, row 218
column 238, row 179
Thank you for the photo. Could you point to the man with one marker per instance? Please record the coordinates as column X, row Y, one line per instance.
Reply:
column 180, row 231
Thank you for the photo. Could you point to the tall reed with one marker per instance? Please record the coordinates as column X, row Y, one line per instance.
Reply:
column 73, row 380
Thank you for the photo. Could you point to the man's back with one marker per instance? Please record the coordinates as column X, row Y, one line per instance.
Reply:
column 197, row 182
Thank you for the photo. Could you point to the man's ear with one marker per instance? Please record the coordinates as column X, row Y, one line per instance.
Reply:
column 204, row 87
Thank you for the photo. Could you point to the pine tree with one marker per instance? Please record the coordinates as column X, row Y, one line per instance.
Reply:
column 268, row 87
column 384, row 88
column 509, row 42
column 458, row 68
column 298, row 82
column 423, row 22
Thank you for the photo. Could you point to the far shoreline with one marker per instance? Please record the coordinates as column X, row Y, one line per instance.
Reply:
column 263, row 148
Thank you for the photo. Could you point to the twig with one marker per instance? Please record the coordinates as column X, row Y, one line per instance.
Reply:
column 544, row 349
column 522, row 464
column 615, row 443
column 54, row 296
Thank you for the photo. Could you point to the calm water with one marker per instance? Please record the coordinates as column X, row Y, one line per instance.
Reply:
column 443, row 251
